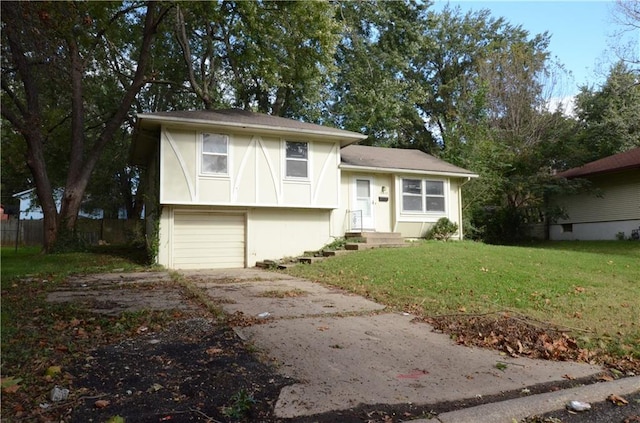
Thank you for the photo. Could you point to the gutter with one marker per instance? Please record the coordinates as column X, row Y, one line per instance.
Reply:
column 343, row 135
column 407, row 171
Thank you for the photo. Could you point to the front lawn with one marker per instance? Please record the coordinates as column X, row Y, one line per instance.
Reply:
column 590, row 288
column 38, row 336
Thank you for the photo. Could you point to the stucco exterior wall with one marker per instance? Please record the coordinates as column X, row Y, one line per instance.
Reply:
column 388, row 215
column 382, row 210
column 256, row 172
column 271, row 233
column 277, row 233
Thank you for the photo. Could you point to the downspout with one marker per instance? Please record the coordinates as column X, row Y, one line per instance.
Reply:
column 460, row 206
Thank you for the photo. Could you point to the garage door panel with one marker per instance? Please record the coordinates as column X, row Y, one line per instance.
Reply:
column 199, row 238
column 208, row 240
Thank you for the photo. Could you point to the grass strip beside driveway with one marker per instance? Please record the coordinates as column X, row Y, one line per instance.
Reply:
column 590, row 288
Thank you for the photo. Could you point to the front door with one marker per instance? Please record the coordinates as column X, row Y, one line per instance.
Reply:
column 362, row 212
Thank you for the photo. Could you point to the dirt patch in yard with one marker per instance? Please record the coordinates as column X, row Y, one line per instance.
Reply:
column 196, row 370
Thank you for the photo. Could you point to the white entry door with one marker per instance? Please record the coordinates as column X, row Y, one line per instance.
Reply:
column 363, row 217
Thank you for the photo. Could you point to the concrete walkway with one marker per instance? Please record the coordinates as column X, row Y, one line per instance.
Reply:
column 344, row 350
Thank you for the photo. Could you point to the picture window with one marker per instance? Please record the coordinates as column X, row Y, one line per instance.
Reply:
column 422, row 196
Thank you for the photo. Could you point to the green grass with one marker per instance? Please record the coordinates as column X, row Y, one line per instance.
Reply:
column 590, row 287
column 29, row 261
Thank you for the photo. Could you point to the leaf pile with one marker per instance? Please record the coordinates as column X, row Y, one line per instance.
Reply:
column 518, row 336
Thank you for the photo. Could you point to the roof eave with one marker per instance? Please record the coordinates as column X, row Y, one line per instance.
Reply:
column 345, row 138
column 405, row 171
column 597, row 173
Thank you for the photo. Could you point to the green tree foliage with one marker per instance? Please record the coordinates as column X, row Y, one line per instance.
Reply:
column 70, row 74
column 466, row 87
column 609, row 117
column 455, row 47
column 272, row 57
column 375, row 91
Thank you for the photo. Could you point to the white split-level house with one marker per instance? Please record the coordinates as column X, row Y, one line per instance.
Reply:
column 228, row 188
column 609, row 206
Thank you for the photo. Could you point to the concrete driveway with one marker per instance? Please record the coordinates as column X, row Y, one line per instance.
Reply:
column 346, row 350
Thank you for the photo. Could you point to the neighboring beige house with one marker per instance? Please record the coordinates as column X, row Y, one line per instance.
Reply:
column 235, row 187
column 610, row 206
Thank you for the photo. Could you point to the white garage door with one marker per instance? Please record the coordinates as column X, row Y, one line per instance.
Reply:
column 208, row 240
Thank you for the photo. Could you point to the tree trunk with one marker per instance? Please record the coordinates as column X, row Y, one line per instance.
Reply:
column 29, row 123
column 44, row 191
column 26, row 115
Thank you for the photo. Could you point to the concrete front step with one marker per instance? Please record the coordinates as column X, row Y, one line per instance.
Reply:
column 309, row 260
column 335, row 253
column 356, row 246
column 373, row 235
column 378, row 241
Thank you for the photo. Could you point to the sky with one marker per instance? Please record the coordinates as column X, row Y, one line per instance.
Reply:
column 582, row 33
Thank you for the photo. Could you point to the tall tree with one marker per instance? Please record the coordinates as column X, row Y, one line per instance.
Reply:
column 375, row 92
column 459, row 47
column 273, row 57
column 627, row 13
column 73, row 70
column 609, row 117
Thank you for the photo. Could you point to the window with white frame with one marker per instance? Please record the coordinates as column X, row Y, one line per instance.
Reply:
column 422, row 196
column 297, row 159
column 215, row 154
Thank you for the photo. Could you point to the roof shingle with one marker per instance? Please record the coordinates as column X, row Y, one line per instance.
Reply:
column 245, row 118
column 396, row 158
column 622, row 161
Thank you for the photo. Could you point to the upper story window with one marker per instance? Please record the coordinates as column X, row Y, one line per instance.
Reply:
column 297, row 159
column 422, row 196
column 215, row 154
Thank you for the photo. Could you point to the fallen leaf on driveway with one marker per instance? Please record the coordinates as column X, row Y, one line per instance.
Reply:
column 155, row 388
column 214, row 351
column 617, row 400
column 102, row 403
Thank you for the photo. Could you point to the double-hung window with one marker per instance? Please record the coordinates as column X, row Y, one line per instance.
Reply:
column 215, row 154
column 297, row 159
column 422, row 196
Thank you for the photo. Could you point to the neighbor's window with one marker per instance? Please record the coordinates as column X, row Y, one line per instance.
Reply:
column 567, row 227
column 297, row 157
column 215, row 154
column 422, row 196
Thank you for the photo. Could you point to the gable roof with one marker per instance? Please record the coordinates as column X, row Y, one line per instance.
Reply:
column 148, row 126
column 362, row 157
column 622, row 161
